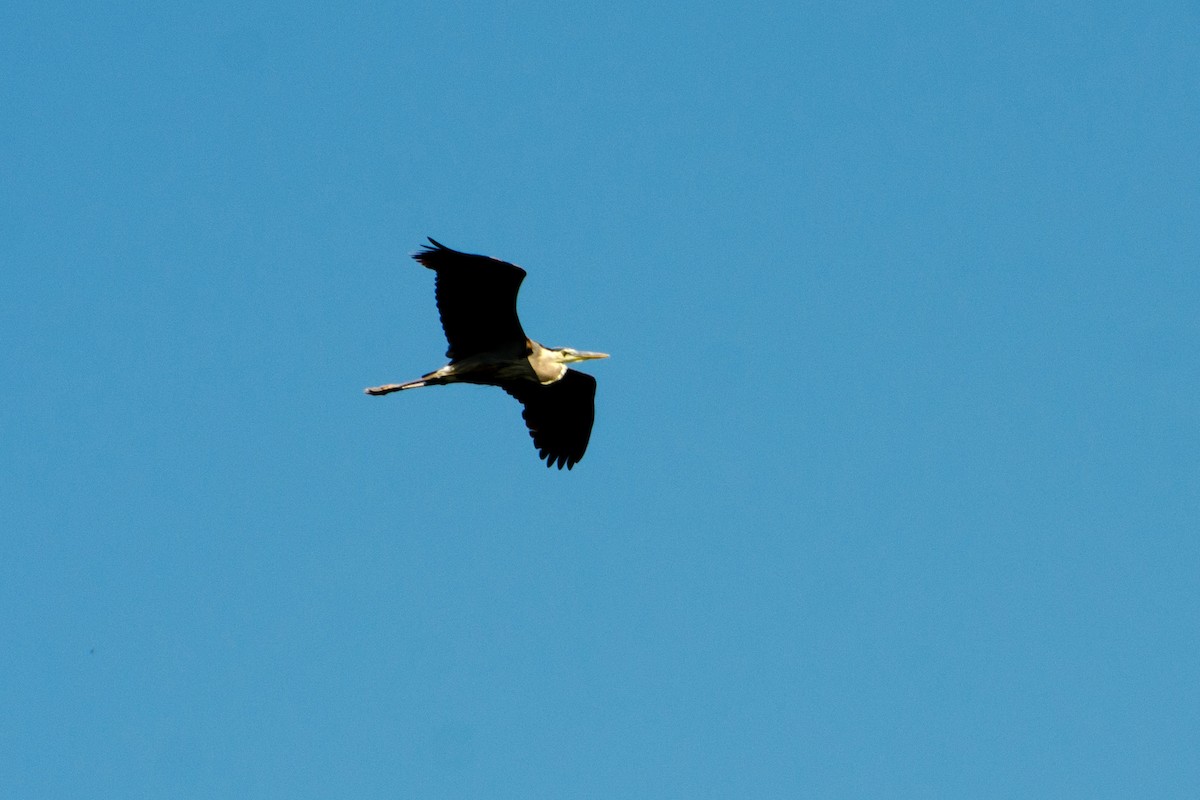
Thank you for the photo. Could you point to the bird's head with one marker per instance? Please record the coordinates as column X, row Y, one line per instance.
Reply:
column 569, row 355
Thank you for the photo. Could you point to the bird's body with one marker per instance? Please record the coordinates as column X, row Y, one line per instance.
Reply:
column 477, row 300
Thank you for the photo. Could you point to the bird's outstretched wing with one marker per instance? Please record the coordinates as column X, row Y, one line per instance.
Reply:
column 477, row 301
column 559, row 415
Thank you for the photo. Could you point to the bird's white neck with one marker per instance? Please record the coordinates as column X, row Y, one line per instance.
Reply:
column 547, row 364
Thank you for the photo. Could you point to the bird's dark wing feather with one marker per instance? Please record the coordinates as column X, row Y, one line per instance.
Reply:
column 477, row 300
column 559, row 415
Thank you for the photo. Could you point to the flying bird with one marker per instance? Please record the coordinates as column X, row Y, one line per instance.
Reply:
column 477, row 300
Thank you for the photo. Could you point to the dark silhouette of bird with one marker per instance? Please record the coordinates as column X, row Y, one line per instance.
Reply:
column 477, row 300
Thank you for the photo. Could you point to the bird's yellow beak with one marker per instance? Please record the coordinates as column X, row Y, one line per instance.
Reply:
column 586, row 356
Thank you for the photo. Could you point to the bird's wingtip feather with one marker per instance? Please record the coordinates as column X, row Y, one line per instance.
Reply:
column 434, row 247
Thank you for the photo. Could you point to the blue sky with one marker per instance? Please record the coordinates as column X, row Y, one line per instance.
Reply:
column 893, row 490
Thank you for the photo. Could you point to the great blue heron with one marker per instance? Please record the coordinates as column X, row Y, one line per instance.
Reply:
column 477, row 300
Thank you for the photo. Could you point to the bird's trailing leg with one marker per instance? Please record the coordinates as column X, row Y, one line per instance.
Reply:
column 394, row 387
column 435, row 378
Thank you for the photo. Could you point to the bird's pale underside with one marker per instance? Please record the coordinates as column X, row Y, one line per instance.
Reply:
column 477, row 300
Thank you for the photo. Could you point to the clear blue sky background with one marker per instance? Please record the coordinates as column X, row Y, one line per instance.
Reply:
column 894, row 489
